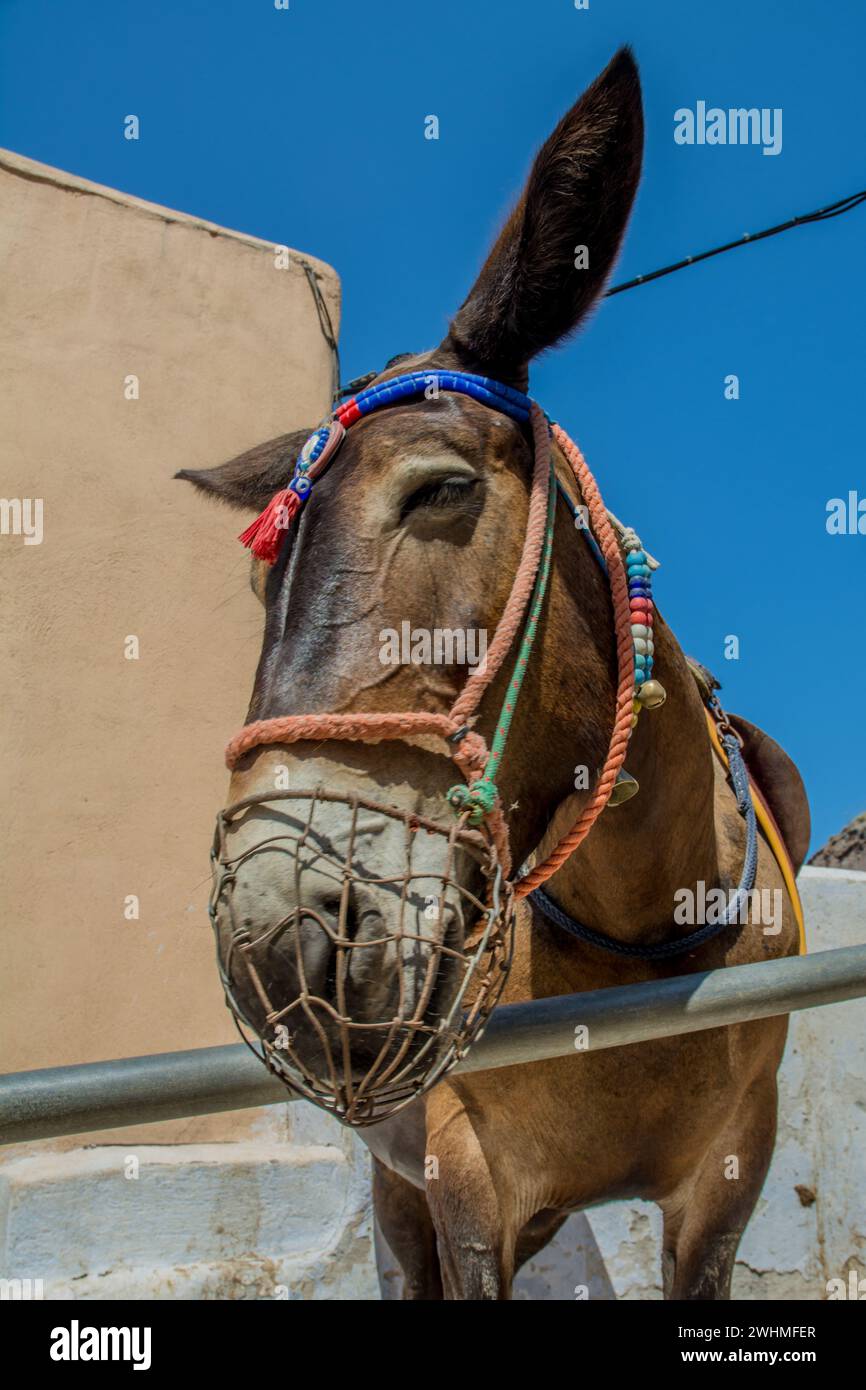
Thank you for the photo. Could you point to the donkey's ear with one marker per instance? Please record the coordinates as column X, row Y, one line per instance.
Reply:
column 251, row 479
column 530, row 292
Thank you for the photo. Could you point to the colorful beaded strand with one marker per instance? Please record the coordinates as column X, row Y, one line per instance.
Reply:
column 648, row 692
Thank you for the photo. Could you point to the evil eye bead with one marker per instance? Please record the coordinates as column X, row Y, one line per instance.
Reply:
column 313, row 447
column 300, row 485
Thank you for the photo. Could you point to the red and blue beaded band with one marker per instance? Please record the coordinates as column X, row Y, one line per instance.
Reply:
column 266, row 534
column 411, row 384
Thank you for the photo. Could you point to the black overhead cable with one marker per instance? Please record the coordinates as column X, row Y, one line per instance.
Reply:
column 822, row 215
column 853, row 200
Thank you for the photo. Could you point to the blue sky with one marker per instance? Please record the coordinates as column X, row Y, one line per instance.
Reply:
column 306, row 127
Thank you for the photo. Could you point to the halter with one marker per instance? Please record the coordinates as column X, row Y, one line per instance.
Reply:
column 364, row 1069
column 629, row 574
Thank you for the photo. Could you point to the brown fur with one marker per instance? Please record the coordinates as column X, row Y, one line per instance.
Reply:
column 519, row 1149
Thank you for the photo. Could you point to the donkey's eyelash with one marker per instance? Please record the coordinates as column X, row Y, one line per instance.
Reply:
column 443, row 492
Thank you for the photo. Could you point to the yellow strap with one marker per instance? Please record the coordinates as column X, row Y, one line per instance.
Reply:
column 772, row 837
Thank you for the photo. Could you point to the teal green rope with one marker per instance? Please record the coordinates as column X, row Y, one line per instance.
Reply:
column 480, row 797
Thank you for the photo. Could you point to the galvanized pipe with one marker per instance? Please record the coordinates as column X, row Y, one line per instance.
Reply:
column 173, row 1085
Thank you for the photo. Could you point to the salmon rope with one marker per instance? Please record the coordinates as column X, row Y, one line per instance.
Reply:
column 609, row 546
column 477, row 764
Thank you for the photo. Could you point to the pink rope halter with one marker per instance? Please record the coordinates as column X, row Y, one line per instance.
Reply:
column 467, row 747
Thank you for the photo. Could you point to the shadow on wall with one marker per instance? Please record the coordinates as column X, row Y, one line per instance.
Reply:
column 570, row 1267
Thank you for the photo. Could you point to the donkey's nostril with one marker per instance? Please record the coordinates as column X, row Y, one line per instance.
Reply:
column 344, row 921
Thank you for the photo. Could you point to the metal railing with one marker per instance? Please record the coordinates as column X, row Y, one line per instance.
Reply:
column 173, row 1085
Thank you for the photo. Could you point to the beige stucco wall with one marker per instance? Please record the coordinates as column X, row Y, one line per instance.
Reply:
column 112, row 768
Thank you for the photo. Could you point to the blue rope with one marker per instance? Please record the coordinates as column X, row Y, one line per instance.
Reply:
column 665, row 949
column 573, row 507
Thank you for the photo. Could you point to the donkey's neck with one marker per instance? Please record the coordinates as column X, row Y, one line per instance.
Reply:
column 623, row 878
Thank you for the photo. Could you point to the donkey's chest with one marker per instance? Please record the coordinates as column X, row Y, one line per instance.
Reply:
column 565, row 1133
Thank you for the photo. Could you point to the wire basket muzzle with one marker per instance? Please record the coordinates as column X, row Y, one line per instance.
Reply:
column 363, row 945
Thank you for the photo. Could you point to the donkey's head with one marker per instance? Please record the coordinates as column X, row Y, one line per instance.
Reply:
column 382, row 598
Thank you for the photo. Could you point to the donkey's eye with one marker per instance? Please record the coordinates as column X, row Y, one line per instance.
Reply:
column 441, row 492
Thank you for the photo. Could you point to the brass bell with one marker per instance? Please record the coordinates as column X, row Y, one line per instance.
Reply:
column 652, row 694
column 624, row 788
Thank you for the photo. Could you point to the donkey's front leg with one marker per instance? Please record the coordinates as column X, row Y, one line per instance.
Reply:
column 703, row 1225
column 404, row 1220
column 475, row 1228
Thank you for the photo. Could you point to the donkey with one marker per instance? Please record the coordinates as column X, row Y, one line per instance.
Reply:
column 422, row 518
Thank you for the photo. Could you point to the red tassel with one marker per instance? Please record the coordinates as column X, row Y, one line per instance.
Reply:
column 266, row 534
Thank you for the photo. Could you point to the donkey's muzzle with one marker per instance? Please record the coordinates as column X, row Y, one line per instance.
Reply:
column 363, row 986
